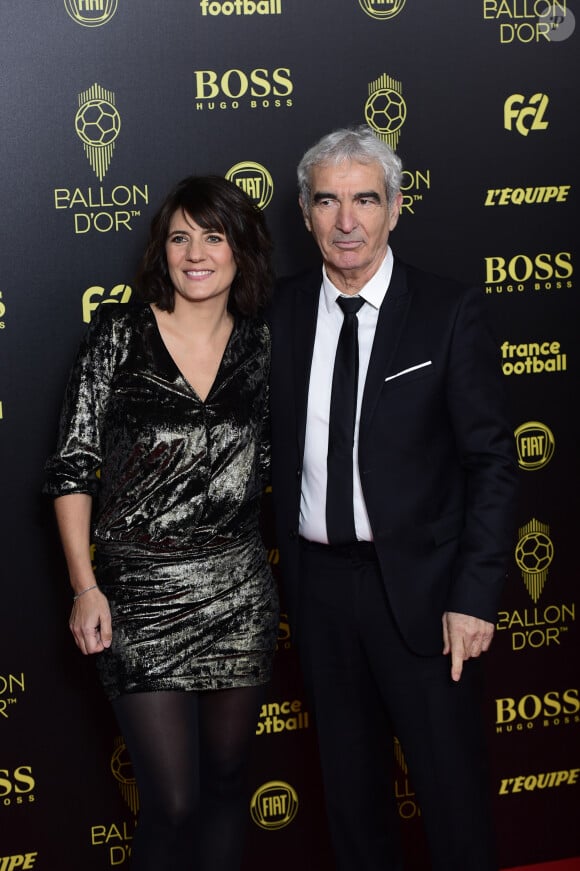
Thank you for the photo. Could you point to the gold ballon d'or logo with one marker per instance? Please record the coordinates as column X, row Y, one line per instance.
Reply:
column 274, row 805
column 385, row 109
column 399, row 756
column 254, row 179
column 122, row 771
column 534, row 553
column 97, row 124
column 382, row 9
column 91, row 13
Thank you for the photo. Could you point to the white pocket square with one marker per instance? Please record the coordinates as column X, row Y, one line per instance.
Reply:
column 410, row 369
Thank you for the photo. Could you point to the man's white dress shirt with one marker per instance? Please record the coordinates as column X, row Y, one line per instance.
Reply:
column 328, row 326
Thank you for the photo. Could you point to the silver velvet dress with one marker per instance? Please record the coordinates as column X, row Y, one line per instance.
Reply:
column 177, row 485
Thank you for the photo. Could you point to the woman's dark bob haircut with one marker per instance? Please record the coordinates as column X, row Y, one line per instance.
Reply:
column 214, row 204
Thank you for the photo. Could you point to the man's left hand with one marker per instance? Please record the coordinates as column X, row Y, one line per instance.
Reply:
column 464, row 637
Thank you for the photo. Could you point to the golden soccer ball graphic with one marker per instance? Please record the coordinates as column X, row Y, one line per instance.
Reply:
column 97, row 123
column 534, row 552
column 121, row 765
column 385, row 110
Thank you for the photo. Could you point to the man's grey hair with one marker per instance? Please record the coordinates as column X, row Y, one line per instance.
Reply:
column 350, row 143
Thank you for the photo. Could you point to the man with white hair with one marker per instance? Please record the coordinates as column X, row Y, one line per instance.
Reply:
column 394, row 477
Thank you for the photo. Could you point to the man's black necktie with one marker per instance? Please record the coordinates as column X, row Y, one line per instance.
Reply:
column 339, row 509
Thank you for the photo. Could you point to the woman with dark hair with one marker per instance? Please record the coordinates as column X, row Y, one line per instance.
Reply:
column 168, row 399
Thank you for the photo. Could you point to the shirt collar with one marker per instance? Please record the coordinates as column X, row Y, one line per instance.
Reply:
column 373, row 292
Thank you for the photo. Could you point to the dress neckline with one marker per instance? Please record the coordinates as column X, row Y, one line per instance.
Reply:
column 169, row 356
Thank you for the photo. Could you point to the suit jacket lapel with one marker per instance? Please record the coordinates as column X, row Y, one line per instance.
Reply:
column 387, row 335
column 304, row 331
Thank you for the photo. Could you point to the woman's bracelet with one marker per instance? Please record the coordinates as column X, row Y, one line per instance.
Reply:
column 82, row 592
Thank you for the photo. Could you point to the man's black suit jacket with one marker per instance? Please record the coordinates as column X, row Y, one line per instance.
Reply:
column 436, row 450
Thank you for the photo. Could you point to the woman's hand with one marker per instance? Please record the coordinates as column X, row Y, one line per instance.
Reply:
column 90, row 622
column 90, row 619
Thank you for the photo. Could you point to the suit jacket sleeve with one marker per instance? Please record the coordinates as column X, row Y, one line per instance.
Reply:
column 486, row 452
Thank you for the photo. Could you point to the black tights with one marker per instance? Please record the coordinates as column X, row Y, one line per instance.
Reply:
column 189, row 752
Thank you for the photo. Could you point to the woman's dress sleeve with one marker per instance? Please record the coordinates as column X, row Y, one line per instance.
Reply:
column 74, row 465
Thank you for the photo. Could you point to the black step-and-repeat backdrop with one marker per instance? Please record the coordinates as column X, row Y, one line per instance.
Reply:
column 105, row 104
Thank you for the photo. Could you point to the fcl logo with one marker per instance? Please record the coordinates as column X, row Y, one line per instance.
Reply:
column 382, row 9
column 94, row 296
column 91, row 13
column 525, row 118
column 97, row 124
column 385, row 109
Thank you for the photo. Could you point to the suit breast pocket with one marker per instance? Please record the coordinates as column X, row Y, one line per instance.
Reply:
column 414, row 372
column 409, row 411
